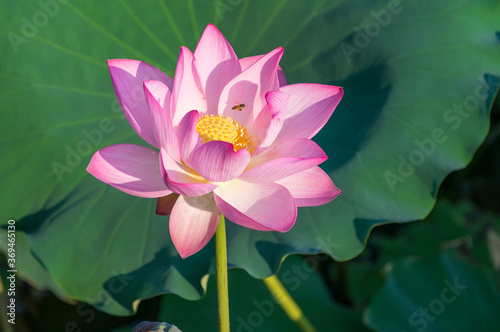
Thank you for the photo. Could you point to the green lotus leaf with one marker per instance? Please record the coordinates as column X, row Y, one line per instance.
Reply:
column 436, row 293
column 419, row 79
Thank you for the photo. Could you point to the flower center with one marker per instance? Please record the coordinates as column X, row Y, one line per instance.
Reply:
column 220, row 128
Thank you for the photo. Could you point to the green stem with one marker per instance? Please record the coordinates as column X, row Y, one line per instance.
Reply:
column 221, row 267
column 288, row 304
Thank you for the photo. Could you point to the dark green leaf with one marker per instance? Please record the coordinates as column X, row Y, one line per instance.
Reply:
column 437, row 293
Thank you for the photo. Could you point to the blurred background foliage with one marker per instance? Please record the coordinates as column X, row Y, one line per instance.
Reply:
column 73, row 236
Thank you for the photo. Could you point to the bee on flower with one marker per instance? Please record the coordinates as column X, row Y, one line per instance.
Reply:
column 238, row 107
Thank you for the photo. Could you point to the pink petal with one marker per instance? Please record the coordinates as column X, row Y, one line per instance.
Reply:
column 284, row 160
column 193, row 223
column 189, row 139
column 165, row 204
column 156, row 94
column 187, row 94
column 128, row 77
column 311, row 187
column 217, row 161
column 248, row 61
column 216, row 63
column 131, row 168
column 161, row 93
column 250, row 88
column 260, row 206
column 183, row 180
column 269, row 122
column 309, row 108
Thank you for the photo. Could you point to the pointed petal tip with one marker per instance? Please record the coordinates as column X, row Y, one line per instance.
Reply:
column 110, row 62
column 279, row 50
column 91, row 167
column 334, row 194
column 192, row 113
column 120, row 62
column 186, row 252
column 90, row 163
column 157, row 89
column 211, row 25
column 213, row 33
column 211, row 28
column 276, row 52
column 182, row 51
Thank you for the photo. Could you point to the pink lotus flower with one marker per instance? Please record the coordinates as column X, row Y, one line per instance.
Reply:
column 233, row 138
